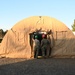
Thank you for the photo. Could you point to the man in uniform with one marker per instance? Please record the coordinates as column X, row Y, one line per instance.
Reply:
column 45, row 46
column 36, row 47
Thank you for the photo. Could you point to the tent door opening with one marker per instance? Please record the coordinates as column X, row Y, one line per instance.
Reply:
column 32, row 36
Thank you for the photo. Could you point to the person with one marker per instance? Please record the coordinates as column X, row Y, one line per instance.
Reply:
column 36, row 46
column 45, row 46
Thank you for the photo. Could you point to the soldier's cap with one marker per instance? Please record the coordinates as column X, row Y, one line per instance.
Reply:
column 36, row 37
column 43, row 35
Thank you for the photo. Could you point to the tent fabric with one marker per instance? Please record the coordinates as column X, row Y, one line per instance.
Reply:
column 16, row 43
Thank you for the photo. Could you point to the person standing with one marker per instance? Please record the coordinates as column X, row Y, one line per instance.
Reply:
column 36, row 46
column 45, row 46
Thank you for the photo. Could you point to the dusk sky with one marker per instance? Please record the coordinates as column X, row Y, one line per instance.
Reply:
column 12, row 11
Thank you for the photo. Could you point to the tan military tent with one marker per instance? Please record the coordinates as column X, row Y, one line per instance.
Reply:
column 16, row 43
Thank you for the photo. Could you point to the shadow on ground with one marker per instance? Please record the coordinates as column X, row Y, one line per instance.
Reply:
column 51, row 66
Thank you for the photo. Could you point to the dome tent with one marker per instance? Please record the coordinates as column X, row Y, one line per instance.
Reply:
column 16, row 43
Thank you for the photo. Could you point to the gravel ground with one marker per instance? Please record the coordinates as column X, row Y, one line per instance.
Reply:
column 51, row 66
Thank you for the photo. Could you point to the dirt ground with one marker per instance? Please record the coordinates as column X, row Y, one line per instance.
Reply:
column 50, row 66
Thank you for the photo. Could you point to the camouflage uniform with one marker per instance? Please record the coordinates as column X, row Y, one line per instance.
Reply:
column 36, row 48
column 45, row 46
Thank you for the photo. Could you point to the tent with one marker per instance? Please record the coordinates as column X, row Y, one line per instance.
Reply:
column 16, row 42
